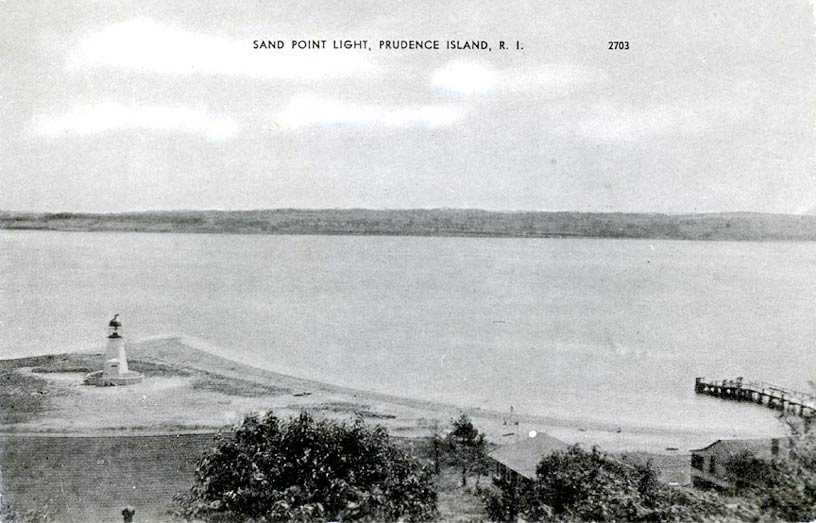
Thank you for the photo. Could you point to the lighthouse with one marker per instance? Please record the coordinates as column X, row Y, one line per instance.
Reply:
column 115, row 356
column 115, row 370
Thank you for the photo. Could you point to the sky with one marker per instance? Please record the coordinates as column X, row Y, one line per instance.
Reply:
column 109, row 106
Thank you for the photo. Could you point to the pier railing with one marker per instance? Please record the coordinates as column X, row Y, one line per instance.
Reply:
column 808, row 396
column 761, row 392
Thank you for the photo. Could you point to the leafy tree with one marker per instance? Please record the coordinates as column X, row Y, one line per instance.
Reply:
column 745, row 471
column 304, row 469
column 784, row 486
column 467, row 448
column 589, row 485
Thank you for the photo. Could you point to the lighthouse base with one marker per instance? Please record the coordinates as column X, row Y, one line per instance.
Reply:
column 100, row 379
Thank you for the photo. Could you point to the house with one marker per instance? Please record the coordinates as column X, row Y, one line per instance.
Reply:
column 517, row 462
column 708, row 464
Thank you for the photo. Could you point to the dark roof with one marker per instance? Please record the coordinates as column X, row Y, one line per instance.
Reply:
column 523, row 457
column 738, row 445
column 115, row 322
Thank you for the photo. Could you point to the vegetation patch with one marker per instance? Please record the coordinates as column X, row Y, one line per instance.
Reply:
column 348, row 408
column 22, row 397
column 91, row 478
column 69, row 362
column 155, row 370
column 67, row 368
column 82, row 362
column 236, row 387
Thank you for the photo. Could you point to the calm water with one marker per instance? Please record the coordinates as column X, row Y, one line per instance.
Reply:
column 597, row 330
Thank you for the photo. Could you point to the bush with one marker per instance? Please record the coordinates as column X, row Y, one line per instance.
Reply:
column 304, row 469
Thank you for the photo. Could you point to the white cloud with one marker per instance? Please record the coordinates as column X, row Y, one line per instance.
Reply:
column 813, row 7
column 610, row 122
column 465, row 77
column 304, row 110
column 471, row 77
column 106, row 117
column 144, row 45
column 555, row 76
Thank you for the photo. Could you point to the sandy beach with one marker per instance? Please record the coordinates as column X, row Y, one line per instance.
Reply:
column 187, row 388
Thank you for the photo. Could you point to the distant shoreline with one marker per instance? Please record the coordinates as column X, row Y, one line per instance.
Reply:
column 433, row 223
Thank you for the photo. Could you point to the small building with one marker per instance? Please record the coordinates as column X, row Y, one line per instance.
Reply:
column 708, row 464
column 516, row 463
column 115, row 370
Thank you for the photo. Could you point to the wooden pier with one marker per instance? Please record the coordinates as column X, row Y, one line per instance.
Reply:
column 772, row 396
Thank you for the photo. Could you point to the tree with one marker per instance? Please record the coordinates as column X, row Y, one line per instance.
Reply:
column 784, row 486
column 589, row 485
column 302, row 469
column 437, row 443
column 466, row 448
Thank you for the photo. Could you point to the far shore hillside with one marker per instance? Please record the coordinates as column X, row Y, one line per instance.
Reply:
column 434, row 222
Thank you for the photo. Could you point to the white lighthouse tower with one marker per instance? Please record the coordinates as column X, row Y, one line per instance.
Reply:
column 115, row 370
column 115, row 356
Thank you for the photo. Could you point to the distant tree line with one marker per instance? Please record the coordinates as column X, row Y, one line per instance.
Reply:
column 434, row 222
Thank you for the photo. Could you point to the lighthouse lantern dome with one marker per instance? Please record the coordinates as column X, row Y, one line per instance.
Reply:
column 115, row 327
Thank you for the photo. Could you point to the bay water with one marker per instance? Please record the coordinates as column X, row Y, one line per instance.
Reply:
column 580, row 330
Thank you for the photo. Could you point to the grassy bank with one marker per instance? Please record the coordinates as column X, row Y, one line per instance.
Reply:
column 90, row 479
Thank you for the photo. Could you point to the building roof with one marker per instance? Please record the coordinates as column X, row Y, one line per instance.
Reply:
column 523, row 457
column 734, row 446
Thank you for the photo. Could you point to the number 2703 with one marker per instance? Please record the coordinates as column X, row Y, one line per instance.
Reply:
column 619, row 45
